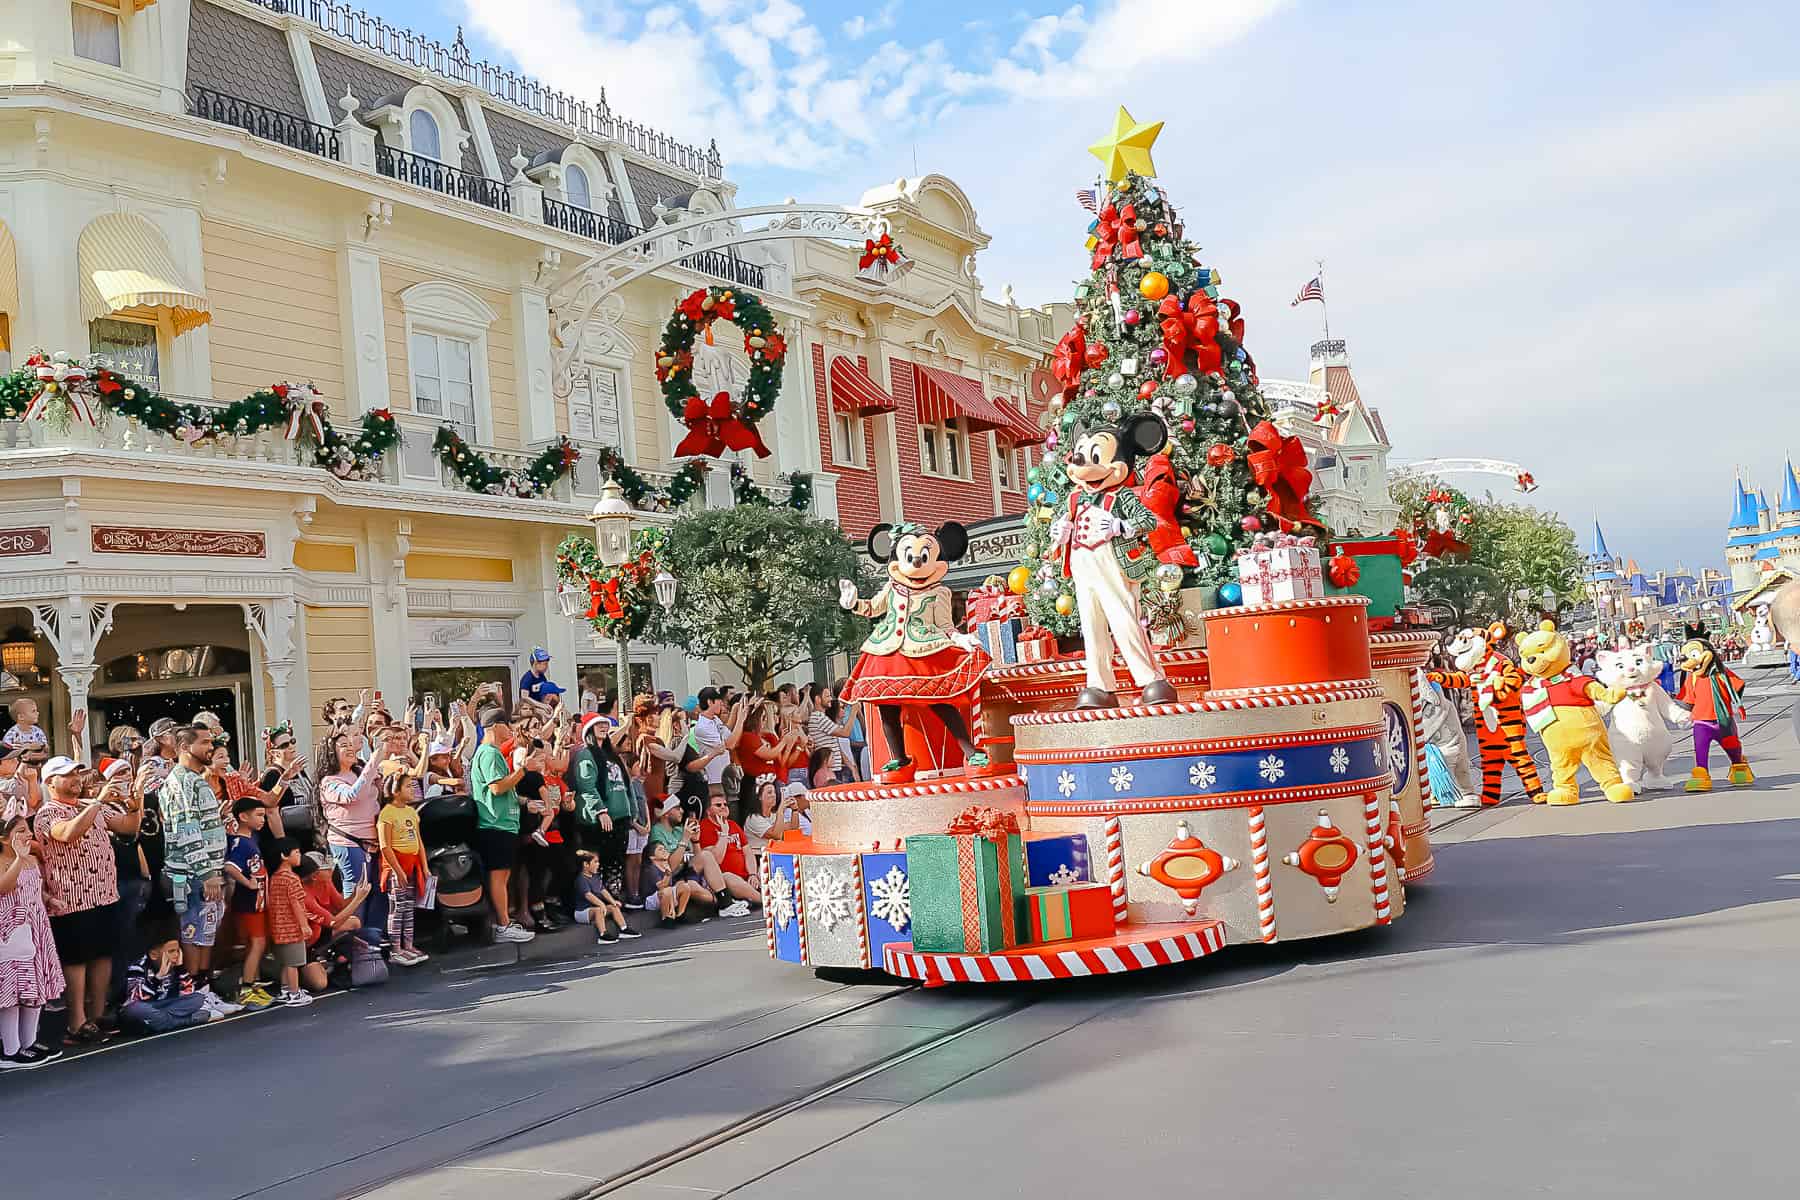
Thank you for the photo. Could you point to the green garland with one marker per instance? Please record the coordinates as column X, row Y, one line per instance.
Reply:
column 744, row 489
column 473, row 470
column 693, row 317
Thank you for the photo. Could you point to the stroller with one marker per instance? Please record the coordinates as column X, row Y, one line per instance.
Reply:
column 447, row 824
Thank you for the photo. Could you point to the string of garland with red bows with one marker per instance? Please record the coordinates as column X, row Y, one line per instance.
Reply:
column 475, row 472
column 720, row 422
column 620, row 599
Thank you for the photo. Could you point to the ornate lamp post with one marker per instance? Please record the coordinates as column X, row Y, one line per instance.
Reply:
column 612, row 518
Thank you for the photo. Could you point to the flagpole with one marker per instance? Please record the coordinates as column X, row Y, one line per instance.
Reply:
column 1322, row 306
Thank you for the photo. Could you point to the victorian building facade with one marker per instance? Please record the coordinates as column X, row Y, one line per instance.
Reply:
column 1346, row 443
column 213, row 196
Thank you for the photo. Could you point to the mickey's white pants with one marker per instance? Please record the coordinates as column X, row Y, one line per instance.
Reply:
column 1108, row 606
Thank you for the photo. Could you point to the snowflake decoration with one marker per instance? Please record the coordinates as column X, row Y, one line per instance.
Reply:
column 830, row 897
column 1271, row 768
column 1203, row 775
column 1340, row 760
column 781, row 897
column 1120, row 779
column 1063, row 876
column 893, row 898
column 1065, row 783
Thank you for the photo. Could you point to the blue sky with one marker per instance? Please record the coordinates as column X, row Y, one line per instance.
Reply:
column 1558, row 233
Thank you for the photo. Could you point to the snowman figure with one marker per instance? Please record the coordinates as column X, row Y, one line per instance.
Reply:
column 1762, row 634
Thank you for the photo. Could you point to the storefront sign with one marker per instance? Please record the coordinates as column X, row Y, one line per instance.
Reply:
column 1006, row 546
column 458, row 635
column 211, row 543
column 15, row 543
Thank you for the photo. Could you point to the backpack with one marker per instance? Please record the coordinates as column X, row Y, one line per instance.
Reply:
column 357, row 964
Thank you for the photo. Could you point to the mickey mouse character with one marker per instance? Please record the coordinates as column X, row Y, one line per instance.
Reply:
column 914, row 656
column 1115, row 533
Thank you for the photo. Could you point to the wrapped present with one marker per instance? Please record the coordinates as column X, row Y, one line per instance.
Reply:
column 992, row 602
column 1037, row 645
column 1380, row 575
column 1001, row 639
column 1280, row 566
column 1059, row 914
column 967, row 885
column 1057, row 861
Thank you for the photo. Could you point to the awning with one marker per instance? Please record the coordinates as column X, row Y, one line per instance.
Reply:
column 852, row 391
column 943, row 395
column 125, row 264
column 1023, row 430
column 9, row 287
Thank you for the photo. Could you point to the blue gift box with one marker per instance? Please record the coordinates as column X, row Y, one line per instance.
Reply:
column 782, row 910
column 1057, row 861
column 1001, row 638
column 887, row 901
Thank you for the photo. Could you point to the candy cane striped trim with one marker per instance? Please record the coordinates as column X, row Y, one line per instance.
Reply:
column 1418, row 730
column 768, row 909
column 1273, row 607
column 1136, row 951
column 935, row 787
column 1115, row 869
column 1289, row 689
column 1151, row 804
column 1415, row 874
column 1378, row 871
column 862, row 917
column 1142, row 750
column 800, row 911
column 1078, row 716
column 1265, row 883
column 1074, row 666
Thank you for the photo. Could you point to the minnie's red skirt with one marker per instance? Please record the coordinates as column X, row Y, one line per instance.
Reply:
column 939, row 678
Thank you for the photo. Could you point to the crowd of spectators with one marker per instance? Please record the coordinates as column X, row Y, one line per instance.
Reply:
column 168, row 883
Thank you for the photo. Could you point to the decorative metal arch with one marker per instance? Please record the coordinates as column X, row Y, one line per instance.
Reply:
column 1464, row 466
column 575, row 300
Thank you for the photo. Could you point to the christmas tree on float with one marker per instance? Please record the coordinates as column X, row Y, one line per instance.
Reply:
column 1152, row 332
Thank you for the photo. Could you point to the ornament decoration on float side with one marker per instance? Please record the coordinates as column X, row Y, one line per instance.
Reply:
column 720, row 422
column 1153, row 333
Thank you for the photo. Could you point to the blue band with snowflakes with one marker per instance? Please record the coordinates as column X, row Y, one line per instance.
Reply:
column 1324, row 764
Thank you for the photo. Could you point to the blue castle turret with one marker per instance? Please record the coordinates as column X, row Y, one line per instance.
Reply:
column 1790, row 489
column 1763, row 535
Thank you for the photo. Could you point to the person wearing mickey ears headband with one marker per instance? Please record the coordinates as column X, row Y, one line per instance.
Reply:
column 914, row 657
column 1109, row 543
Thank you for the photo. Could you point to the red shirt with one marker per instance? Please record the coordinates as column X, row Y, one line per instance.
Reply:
column 322, row 903
column 748, row 760
column 287, row 908
column 1697, row 693
column 731, row 858
column 1572, row 692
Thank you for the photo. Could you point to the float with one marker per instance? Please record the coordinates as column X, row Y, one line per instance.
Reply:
column 1180, row 734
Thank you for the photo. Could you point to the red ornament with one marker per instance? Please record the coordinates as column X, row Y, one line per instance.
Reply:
column 1251, row 523
column 1187, row 426
column 1146, row 389
column 1220, row 455
column 1327, row 855
column 1095, row 353
column 1187, row 867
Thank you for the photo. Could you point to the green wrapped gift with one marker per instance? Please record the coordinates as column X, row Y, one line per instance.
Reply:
column 968, row 889
column 1381, row 576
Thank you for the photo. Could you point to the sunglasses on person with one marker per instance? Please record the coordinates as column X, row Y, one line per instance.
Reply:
column 287, row 745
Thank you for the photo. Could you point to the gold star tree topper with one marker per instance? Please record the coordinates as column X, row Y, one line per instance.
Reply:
column 1128, row 148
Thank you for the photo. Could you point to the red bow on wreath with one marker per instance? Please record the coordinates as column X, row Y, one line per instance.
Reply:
column 1278, row 465
column 713, row 429
column 882, row 249
column 603, row 596
column 1071, row 356
column 1118, row 230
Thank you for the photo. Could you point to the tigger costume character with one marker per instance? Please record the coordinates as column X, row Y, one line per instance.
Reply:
column 1495, row 681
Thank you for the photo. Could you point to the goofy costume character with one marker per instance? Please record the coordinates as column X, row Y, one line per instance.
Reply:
column 1109, row 543
column 1716, row 696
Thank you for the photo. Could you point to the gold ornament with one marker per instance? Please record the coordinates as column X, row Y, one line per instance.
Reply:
column 1018, row 579
column 1065, row 603
column 1128, row 148
column 1153, row 286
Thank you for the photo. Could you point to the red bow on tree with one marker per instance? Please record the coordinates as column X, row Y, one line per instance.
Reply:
column 1071, row 356
column 881, row 249
column 1175, row 336
column 1118, row 230
column 713, row 429
column 603, row 596
column 1196, row 326
column 1161, row 494
column 1278, row 465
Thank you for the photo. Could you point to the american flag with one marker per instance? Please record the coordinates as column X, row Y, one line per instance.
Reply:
column 1312, row 291
column 1087, row 199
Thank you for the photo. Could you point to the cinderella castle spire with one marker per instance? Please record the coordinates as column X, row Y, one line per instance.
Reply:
column 1764, row 537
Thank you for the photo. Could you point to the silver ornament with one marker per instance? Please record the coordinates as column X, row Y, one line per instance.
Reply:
column 1115, row 380
column 1187, row 384
column 1111, row 410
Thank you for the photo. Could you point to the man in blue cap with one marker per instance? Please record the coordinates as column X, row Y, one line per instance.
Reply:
column 534, row 685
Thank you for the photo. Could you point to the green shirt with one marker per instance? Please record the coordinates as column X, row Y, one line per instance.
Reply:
column 618, row 793
column 584, row 778
column 665, row 835
column 493, row 810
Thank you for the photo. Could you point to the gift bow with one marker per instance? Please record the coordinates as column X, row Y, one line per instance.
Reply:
column 1278, row 465
column 303, row 407
column 713, row 429
column 982, row 821
column 603, row 596
column 878, row 249
column 59, row 373
column 1117, row 230
column 1198, row 325
column 1071, row 357
column 1344, row 569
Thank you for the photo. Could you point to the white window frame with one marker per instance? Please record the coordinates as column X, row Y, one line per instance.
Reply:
column 446, row 309
column 939, row 434
column 572, row 171
column 627, row 443
column 118, row 14
column 849, row 440
column 599, row 183
column 157, row 325
column 412, row 132
column 1003, row 452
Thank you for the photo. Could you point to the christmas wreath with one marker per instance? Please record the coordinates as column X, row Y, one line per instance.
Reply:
column 621, row 600
column 1444, row 522
column 720, row 422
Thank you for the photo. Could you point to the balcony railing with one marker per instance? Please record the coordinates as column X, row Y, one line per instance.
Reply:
column 261, row 121
column 440, row 177
column 585, row 223
column 727, row 265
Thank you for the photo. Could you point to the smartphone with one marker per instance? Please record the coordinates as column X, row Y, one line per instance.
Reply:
column 431, row 700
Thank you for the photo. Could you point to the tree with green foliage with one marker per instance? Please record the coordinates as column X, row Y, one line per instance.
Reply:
column 757, row 585
column 1512, row 548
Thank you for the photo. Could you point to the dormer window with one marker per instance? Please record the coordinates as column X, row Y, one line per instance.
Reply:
column 575, row 187
column 422, row 132
column 96, row 28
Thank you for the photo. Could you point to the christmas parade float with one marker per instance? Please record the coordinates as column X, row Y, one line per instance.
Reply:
column 1188, row 719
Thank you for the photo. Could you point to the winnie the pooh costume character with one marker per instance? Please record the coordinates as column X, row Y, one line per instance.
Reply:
column 1559, row 705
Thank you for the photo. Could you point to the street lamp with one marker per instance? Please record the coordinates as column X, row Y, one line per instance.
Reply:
column 1549, row 599
column 612, row 518
column 664, row 583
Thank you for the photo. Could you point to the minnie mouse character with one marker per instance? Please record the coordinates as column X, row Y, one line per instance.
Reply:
column 1116, row 531
column 914, row 656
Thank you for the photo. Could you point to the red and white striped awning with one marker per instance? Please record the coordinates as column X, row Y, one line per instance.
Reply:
column 852, row 391
column 943, row 395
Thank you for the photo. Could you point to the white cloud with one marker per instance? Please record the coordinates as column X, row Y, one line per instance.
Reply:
column 861, row 26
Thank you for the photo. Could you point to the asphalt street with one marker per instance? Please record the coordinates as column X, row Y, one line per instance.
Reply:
column 1591, row 1002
